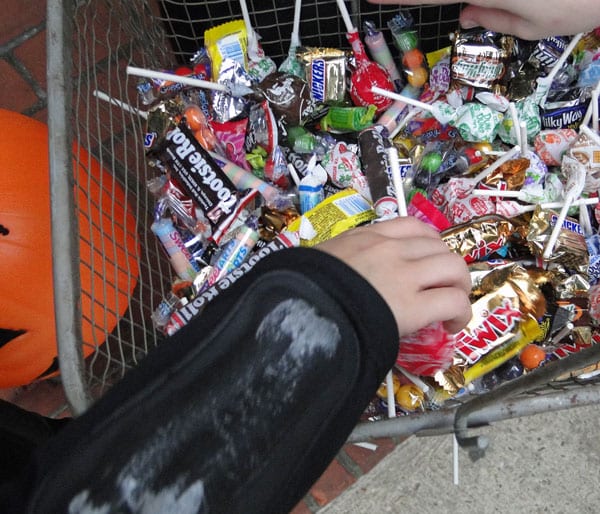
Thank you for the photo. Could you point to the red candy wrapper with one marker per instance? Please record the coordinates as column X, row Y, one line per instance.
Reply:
column 427, row 351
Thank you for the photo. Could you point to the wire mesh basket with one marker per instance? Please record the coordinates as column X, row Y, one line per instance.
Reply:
column 91, row 98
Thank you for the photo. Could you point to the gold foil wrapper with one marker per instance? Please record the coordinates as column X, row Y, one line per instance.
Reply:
column 478, row 237
column 570, row 249
column 325, row 70
column 273, row 221
column 512, row 173
column 510, row 297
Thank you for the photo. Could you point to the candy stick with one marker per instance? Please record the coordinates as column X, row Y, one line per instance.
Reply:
column 236, row 90
column 590, row 110
column 574, row 187
column 512, row 108
column 524, row 143
column 375, row 41
column 497, row 163
column 243, row 179
column 544, row 83
column 125, row 106
column 366, row 73
column 291, row 63
column 346, row 16
column 558, row 205
column 392, row 153
column 427, row 390
column 594, row 101
column 406, row 99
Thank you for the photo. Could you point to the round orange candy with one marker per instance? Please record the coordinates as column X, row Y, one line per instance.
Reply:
column 532, row 356
column 409, row 397
column 417, row 77
column 413, row 59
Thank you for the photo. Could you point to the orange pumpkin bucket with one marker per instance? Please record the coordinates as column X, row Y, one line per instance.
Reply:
column 109, row 251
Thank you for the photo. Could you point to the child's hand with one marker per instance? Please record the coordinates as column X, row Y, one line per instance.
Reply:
column 531, row 19
column 412, row 269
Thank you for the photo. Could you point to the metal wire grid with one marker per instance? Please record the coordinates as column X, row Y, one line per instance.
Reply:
column 103, row 37
column 320, row 23
column 110, row 34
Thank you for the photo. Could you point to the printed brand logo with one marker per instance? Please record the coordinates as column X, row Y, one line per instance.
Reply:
column 317, row 83
column 473, row 344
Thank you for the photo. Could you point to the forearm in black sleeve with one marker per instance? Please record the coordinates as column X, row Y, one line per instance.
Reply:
column 241, row 410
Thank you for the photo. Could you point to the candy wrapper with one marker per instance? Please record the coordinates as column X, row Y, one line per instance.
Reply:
column 570, row 249
column 480, row 237
column 372, row 150
column 426, row 352
column 551, row 145
column 325, row 70
column 290, row 100
column 334, row 215
column 512, row 297
column 480, row 57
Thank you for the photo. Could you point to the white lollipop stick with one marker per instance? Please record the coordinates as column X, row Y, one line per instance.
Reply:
column 590, row 110
column 512, row 108
column 397, row 181
column 346, row 16
column 237, row 90
column 295, row 38
column 246, row 16
column 564, row 56
column 519, row 195
column 575, row 184
column 558, row 205
column 497, row 163
column 594, row 106
column 427, row 391
column 523, row 139
column 406, row 99
column 125, row 106
column 392, row 153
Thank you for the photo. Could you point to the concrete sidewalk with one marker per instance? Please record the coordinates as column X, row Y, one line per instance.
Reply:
column 541, row 463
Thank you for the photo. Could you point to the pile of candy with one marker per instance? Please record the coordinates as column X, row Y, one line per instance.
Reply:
column 498, row 149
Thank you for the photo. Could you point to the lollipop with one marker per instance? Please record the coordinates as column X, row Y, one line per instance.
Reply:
column 259, row 65
column 575, row 172
column 367, row 73
column 291, row 64
column 430, row 349
column 232, row 89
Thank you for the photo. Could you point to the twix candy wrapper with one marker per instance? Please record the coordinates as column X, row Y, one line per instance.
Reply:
column 512, row 296
column 479, row 237
column 505, row 319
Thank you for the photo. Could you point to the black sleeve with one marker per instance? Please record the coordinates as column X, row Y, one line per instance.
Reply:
column 240, row 411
